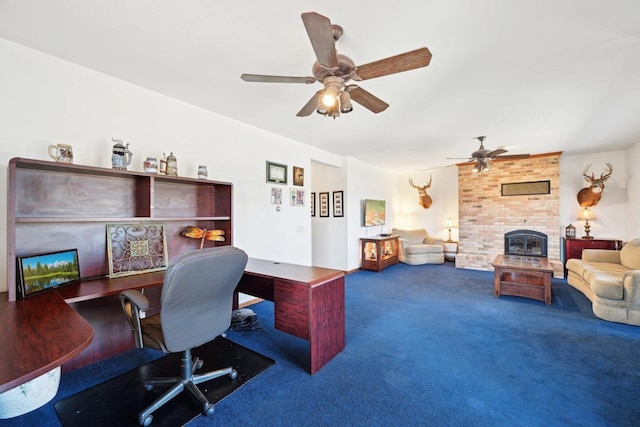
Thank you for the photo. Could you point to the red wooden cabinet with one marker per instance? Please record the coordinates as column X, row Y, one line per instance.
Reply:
column 572, row 248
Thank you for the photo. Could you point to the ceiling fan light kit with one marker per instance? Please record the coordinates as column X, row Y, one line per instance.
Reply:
column 334, row 70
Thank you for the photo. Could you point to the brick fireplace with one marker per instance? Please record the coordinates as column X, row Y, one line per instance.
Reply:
column 485, row 215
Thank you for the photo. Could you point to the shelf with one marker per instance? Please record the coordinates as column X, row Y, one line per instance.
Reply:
column 59, row 206
column 137, row 219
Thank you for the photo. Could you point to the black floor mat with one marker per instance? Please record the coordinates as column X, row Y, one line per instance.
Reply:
column 118, row 401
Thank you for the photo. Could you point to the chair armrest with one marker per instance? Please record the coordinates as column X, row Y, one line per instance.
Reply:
column 432, row 240
column 601, row 255
column 137, row 298
column 133, row 302
column 404, row 244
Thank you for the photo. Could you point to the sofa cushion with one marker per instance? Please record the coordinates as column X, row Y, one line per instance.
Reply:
column 424, row 249
column 581, row 267
column 414, row 237
column 606, row 284
column 630, row 255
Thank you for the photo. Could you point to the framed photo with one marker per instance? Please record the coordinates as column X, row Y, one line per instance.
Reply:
column 337, row 203
column 297, row 197
column 324, row 204
column 43, row 272
column 136, row 248
column 276, row 196
column 313, row 204
column 298, row 176
column 276, row 173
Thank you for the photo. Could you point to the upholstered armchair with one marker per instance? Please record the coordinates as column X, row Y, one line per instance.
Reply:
column 417, row 247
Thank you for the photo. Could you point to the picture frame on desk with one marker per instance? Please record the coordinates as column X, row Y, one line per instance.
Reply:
column 44, row 272
column 136, row 248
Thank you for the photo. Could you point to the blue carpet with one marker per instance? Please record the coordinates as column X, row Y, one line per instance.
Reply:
column 428, row 345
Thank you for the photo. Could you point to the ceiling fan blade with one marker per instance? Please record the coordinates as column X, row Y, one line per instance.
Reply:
column 321, row 36
column 310, row 106
column 396, row 64
column 260, row 78
column 496, row 152
column 366, row 99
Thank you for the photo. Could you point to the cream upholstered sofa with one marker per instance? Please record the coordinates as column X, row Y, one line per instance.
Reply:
column 611, row 281
column 417, row 247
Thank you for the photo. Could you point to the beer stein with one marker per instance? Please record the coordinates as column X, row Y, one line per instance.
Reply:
column 121, row 157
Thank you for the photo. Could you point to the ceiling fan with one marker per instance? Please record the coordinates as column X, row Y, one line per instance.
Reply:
column 334, row 71
column 483, row 157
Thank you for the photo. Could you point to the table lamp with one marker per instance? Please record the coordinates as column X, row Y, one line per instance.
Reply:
column 586, row 215
column 450, row 224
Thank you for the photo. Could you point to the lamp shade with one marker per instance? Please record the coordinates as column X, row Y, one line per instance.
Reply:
column 450, row 223
column 586, row 215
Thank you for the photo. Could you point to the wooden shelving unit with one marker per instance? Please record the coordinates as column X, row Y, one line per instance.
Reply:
column 57, row 206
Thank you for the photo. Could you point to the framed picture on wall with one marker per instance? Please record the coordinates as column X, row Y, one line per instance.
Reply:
column 276, row 196
column 337, row 203
column 313, row 204
column 276, row 173
column 298, row 176
column 297, row 197
column 324, row 204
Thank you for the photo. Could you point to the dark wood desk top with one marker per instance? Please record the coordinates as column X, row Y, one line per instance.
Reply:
column 38, row 334
column 293, row 272
column 43, row 332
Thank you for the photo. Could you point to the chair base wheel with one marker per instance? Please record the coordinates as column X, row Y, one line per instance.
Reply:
column 209, row 410
column 148, row 387
column 233, row 374
column 145, row 421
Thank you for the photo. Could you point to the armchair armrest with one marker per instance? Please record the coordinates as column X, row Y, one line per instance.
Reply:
column 404, row 244
column 432, row 240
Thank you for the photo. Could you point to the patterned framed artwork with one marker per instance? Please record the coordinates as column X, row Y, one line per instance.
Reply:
column 136, row 248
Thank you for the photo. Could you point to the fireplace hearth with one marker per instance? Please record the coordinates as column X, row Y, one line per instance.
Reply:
column 525, row 243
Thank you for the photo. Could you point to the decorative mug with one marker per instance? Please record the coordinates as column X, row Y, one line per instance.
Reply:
column 61, row 153
column 151, row 165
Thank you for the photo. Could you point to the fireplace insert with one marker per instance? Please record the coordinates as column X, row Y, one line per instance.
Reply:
column 525, row 243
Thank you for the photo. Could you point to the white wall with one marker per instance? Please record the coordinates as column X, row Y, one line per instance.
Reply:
column 46, row 100
column 329, row 234
column 611, row 210
column 632, row 179
column 367, row 182
column 444, row 194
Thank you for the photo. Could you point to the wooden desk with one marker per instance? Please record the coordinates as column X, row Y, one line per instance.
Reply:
column 57, row 328
column 308, row 303
column 38, row 334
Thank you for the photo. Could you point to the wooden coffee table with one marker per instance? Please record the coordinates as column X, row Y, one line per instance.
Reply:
column 523, row 276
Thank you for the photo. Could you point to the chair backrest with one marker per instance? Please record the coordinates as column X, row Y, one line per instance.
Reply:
column 197, row 296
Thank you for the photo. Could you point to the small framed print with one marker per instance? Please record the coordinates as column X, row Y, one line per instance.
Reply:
column 298, row 176
column 276, row 196
column 313, row 204
column 276, row 173
column 337, row 203
column 297, row 197
column 324, row 204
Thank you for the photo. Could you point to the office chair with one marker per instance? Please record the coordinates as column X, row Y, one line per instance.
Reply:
column 195, row 308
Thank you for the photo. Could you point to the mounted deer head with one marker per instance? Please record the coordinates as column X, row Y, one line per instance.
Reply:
column 590, row 196
column 424, row 199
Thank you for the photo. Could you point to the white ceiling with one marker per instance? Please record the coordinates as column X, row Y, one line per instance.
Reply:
column 534, row 76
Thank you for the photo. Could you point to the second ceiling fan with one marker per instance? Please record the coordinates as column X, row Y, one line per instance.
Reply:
column 483, row 157
column 334, row 71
